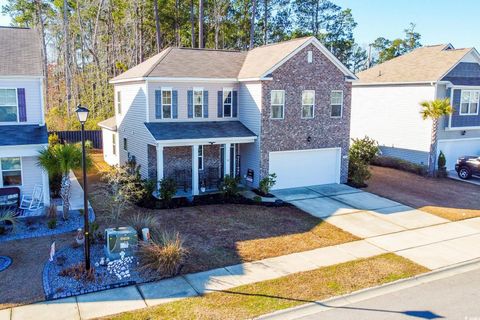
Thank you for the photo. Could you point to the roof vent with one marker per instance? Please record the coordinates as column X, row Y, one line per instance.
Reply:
column 309, row 56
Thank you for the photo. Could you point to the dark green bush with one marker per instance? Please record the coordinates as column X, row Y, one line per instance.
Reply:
column 52, row 223
column 168, row 189
column 267, row 183
column 362, row 152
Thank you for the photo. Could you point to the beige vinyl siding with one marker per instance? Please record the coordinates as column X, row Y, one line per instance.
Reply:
column 107, row 138
column 250, row 99
column 131, row 125
column 33, row 97
column 182, row 89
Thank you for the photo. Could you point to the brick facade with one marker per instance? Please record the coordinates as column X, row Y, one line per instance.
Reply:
column 292, row 132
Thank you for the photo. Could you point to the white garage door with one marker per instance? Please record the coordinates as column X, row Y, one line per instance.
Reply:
column 305, row 167
column 457, row 148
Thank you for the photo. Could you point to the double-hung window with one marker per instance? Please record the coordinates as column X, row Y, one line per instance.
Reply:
column 11, row 171
column 277, row 103
column 200, row 157
column 8, row 105
column 197, row 103
column 119, row 102
column 227, row 103
column 114, row 144
column 308, row 104
column 125, row 145
column 167, row 103
column 469, row 102
column 336, row 104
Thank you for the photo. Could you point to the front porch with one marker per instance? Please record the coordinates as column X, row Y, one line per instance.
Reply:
column 197, row 169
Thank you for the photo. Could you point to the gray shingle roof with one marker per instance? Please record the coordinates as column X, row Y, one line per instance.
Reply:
column 110, row 124
column 13, row 135
column 20, row 52
column 198, row 130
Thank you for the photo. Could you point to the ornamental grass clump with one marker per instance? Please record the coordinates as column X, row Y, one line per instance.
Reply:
column 163, row 255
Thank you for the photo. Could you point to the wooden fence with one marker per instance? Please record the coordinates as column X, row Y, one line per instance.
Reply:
column 76, row 136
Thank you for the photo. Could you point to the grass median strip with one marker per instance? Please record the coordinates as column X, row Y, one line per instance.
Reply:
column 263, row 297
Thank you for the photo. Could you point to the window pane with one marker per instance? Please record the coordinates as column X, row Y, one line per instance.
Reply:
column 277, row 112
column 166, row 97
column 277, row 97
column 8, row 114
column 464, row 108
column 227, row 96
column 11, row 164
column 12, row 178
column 337, row 97
column 308, row 97
column 227, row 110
column 473, row 108
column 8, row 97
column 307, row 111
column 474, row 96
column 465, row 96
column 197, row 97
column 198, row 111
column 336, row 111
column 167, row 111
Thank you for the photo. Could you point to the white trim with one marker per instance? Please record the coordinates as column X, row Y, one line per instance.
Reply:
column 462, row 128
column 356, row 84
column 227, row 159
column 18, row 107
column 159, row 149
column 313, row 106
column 42, row 103
column 147, row 101
column 322, row 49
column 200, row 156
column 205, row 141
column 283, row 105
column 341, row 106
column 459, row 139
column 195, row 177
column 255, row 79
column 174, row 79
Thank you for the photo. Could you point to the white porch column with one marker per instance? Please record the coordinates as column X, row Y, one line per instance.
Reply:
column 227, row 158
column 195, row 190
column 46, row 188
column 159, row 163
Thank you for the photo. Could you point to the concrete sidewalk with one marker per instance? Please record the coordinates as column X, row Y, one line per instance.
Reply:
column 130, row 298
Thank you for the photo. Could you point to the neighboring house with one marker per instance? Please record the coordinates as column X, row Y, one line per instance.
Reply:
column 386, row 104
column 196, row 115
column 22, row 123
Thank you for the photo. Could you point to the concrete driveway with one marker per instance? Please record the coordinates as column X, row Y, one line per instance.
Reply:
column 452, row 174
column 424, row 238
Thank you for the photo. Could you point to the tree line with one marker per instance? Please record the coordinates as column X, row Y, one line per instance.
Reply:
column 87, row 42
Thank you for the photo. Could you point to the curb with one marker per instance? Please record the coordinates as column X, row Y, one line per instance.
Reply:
column 368, row 293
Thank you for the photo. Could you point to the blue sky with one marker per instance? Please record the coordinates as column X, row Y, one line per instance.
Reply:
column 438, row 21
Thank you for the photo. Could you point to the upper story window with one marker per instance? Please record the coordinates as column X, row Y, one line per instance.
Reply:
column 308, row 104
column 11, row 169
column 197, row 103
column 227, row 102
column 8, row 105
column 167, row 103
column 469, row 102
column 119, row 102
column 336, row 104
column 277, row 102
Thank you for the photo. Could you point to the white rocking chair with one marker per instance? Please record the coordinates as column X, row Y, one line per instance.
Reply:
column 34, row 201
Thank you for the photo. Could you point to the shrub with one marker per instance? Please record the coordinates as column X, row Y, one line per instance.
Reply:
column 229, row 186
column 400, row 164
column 257, row 199
column 364, row 149
column 267, row 183
column 442, row 169
column 8, row 217
column 52, row 223
column 138, row 221
column 165, row 254
column 168, row 189
column 53, row 139
column 359, row 172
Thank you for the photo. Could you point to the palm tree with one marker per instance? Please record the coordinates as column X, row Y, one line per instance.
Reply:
column 434, row 110
column 60, row 159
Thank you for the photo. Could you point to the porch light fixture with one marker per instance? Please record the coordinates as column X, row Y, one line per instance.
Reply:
column 82, row 115
column 309, row 139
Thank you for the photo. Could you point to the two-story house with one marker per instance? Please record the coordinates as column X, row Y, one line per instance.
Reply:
column 196, row 115
column 22, row 124
column 386, row 104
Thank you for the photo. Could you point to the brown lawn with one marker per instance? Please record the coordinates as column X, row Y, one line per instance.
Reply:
column 247, row 302
column 447, row 198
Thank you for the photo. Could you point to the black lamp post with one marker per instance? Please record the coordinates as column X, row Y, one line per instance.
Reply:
column 82, row 115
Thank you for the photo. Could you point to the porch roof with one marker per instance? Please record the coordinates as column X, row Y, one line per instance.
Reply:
column 13, row 135
column 195, row 130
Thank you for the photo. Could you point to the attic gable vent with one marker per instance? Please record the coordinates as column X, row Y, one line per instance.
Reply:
column 309, row 56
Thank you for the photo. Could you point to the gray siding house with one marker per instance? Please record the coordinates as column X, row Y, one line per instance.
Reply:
column 196, row 115
column 385, row 104
column 22, row 124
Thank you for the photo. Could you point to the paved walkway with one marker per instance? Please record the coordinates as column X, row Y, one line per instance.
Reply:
column 387, row 226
